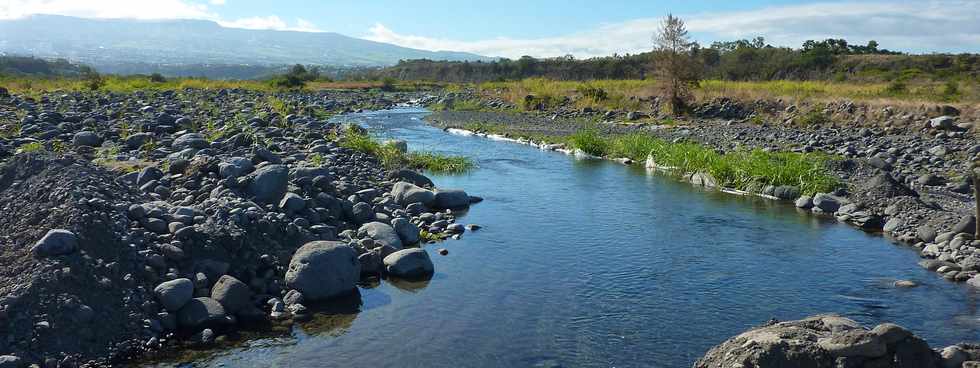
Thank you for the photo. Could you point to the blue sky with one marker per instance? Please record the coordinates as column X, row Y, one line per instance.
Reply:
column 552, row 28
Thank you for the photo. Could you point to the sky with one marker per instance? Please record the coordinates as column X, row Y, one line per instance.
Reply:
column 548, row 28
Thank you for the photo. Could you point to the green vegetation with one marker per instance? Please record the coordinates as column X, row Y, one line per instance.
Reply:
column 740, row 60
column 391, row 157
column 31, row 147
column 746, row 170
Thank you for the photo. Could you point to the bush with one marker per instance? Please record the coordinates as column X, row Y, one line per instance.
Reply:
column 590, row 141
column 595, row 94
column 388, row 84
column 896, row 87
column 951, row 91
column 157, row 78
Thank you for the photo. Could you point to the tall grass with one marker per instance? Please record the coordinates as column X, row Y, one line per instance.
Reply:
column 744, row 169
column 626, row 94
column 392, row 158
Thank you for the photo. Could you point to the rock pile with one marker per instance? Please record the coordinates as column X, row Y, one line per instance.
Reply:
column 151, row 220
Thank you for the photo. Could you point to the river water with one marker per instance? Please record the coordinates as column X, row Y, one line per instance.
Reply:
column 586, row 263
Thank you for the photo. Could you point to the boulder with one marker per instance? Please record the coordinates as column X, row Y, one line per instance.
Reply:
column 825, row 203
column 269, row 183
column 199, row 313
column 86, row 138
column 233, row 294
column 966, row 225
column 944, row 122
column 137, row 140
column 786, row 192
column 409, row 263
column 804, row 202
column 407, row 193
column 407, row 231
column 189, row 140
column 148, row 174
column 821, row 342
column 55, row 243
column 411, row 177
column 381, row 233
column 174, row 294
column 292, row 202
column 451, row 198
column 323, row 270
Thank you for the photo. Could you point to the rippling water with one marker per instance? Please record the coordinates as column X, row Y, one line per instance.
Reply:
column 593, row 264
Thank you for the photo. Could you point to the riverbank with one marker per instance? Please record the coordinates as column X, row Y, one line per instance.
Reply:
column 144, row 223
column 905, row 181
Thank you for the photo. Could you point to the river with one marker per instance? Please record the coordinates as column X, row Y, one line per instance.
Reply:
column 588, row 263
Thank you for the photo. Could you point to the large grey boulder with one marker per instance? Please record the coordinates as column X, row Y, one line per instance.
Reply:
column 411, row 177
column 381, row 233
column 409, row 263
column 235, row 167
column 148, row 174
column 451, row 198
column 233, row 294
column 292, row 202
column 943, row 122
column 174, row 294
column 406, row 230
column 269, row 183
column 137, row 140
column 323, row 270
column 190, row 140
column 86, row 138
column 825, row 203
column 821, row 342
column 55, row 243
column 408, row 193
column 201, row 313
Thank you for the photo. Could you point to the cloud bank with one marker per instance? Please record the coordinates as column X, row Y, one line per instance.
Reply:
column 147, row 9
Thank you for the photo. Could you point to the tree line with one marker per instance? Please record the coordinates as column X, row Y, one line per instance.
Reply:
column 743, row 60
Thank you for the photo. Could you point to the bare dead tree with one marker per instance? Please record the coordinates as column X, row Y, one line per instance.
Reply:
column 675, row 68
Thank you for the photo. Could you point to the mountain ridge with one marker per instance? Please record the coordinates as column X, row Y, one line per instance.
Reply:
column 103, row 43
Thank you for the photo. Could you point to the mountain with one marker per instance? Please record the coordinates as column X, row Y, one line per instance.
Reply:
column 109, row 44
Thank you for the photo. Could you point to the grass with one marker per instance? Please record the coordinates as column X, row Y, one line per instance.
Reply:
column 392, row 158
column 744, row 169
column 626, row 95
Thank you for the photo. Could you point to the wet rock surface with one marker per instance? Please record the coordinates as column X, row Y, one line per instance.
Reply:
column 150, row 221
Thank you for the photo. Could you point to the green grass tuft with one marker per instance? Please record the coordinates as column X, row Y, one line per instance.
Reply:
column 392, row 158
column 744, row 169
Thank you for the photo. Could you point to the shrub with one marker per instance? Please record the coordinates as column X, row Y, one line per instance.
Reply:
column 593, row 93
column 896, row 87
column 157, row 78
column 388, row 84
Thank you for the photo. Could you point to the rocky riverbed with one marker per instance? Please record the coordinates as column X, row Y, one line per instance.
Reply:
column 905, row 170
column 138, row 224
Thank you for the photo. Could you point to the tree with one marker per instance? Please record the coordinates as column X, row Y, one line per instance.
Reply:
column 675, row 67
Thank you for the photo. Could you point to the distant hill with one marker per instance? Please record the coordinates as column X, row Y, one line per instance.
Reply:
column 119, row 44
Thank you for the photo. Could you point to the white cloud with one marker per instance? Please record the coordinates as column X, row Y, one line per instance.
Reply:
column 146, row 9
column 270, row 22
column 921, row 26
column 137, row 9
